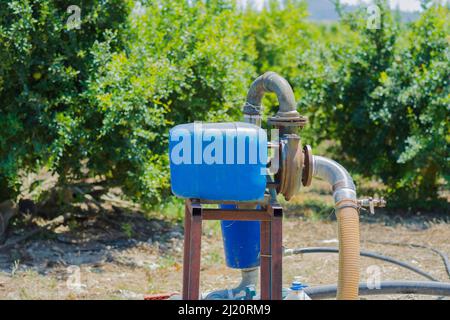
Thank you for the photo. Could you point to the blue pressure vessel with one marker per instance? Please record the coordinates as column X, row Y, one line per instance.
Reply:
column 241, row 241
column 218, row 161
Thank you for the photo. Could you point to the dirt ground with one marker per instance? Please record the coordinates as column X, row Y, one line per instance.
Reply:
column 126, row 255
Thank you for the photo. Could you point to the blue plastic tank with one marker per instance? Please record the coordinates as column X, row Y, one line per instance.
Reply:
column 241, row 242
column 218, row 161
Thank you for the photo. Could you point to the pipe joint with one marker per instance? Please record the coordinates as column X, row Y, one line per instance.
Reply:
column 271, row 82
column 342, row 183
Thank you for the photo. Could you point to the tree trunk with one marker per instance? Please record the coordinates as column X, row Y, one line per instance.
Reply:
column 8, row 209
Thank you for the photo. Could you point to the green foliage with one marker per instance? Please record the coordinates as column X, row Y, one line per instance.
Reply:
column 87, row 103
column 282, row 41
column 43, row 70
column 381, row 94
column 389, row 104
column 412, row 105
column 99, row 100
column 183, row 63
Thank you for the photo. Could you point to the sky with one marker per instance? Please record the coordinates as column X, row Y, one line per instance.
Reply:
column 405, row 5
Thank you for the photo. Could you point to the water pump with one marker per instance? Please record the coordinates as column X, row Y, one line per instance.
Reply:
column 230, row 164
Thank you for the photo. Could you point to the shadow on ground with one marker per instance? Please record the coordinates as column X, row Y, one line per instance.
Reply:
column 86, row 238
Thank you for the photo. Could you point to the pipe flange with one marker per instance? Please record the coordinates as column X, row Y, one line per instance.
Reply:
column 290, row 174
column 308, row 167
column 297, row 121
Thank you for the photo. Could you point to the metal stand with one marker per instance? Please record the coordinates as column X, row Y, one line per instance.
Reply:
column 271, row 217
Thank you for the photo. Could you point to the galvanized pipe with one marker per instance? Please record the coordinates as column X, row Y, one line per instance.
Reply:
column 335, row 174
column 271, row 82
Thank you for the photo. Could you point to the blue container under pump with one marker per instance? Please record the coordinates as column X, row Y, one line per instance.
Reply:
column 241, row 241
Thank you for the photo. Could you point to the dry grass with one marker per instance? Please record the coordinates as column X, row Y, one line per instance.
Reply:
column 155, row 267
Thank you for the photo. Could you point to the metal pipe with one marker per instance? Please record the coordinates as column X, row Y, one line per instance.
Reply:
column 335, row 174
column 271, row 82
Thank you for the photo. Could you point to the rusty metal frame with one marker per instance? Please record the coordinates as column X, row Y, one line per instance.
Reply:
column 271, row 217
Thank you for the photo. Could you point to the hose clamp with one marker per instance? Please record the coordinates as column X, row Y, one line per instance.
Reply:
column 343, row 184
column 348, row 205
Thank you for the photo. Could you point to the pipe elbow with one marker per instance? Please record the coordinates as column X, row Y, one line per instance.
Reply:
column 271, row 82
column 337, row 176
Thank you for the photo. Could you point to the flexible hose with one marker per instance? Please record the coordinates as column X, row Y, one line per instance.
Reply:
column 344, row 195
column 363, row 253
column 388, row 287
column 349, row 251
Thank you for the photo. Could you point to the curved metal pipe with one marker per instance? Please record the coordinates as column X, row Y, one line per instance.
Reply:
column 339, row 178
column 271, row 82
